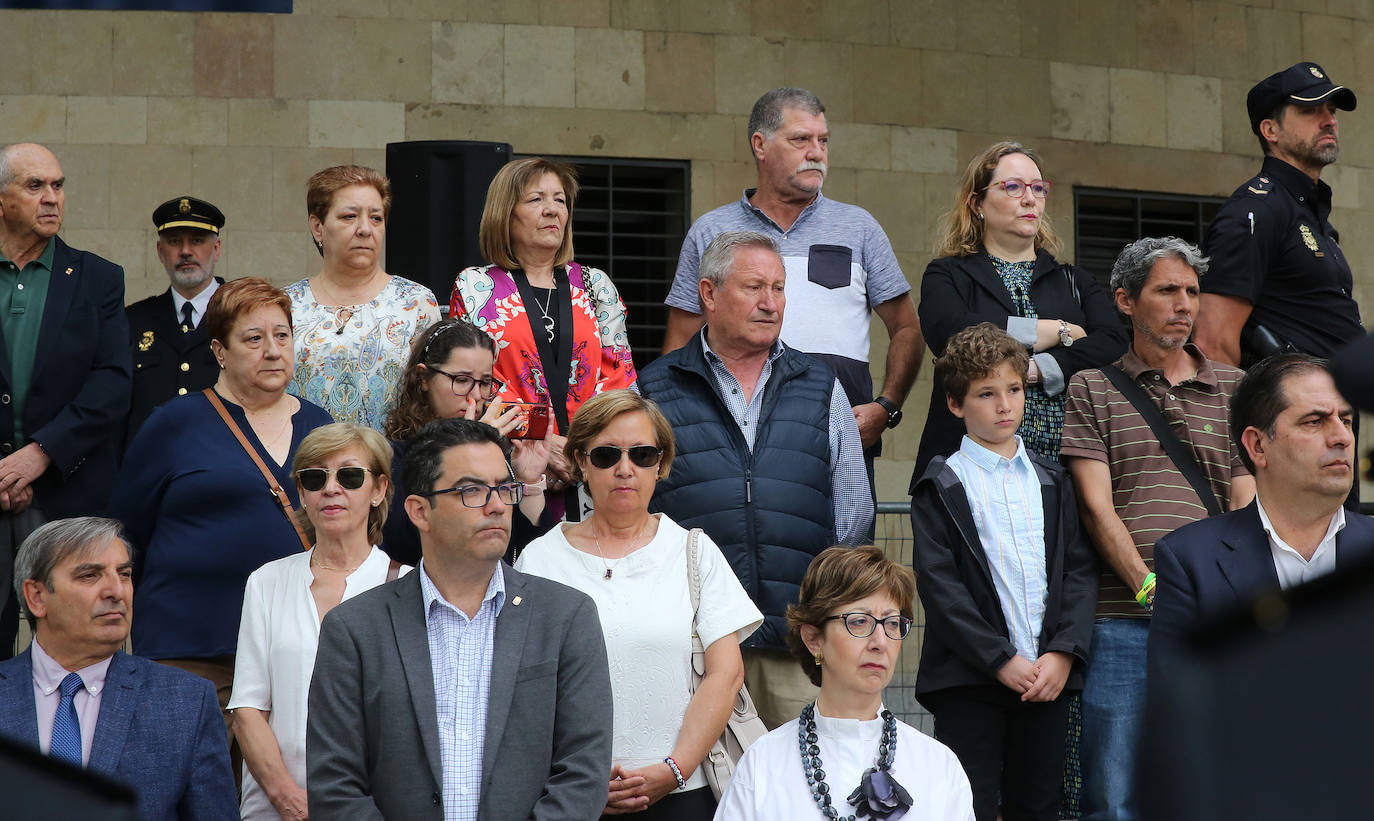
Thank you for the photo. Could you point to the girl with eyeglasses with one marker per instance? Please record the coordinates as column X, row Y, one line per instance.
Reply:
column 450, row 375
column 343, row 477
column 845, row 756
column 634, row 566
column 995, row 264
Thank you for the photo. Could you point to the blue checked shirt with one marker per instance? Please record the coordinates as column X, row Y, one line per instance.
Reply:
column 1007, row 508
column 460, row 654
column 849, row 490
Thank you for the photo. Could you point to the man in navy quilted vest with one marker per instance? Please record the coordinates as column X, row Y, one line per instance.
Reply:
column 769, row 461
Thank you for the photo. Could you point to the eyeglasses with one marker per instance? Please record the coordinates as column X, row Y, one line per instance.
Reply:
column 480, row 495
column 862, row 625
column 462, row 383
column 350, row 478
column 608, row 456
column 1017, row 188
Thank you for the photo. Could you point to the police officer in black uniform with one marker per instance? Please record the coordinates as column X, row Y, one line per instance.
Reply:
column 1278, row 280
column 171, row 350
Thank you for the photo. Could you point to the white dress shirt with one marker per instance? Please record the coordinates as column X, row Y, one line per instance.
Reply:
column 198, row 303
column 1292, row 568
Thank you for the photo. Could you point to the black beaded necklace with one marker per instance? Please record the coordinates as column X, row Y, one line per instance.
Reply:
column 878, row 794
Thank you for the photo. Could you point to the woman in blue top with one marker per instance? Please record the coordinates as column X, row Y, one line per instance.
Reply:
column 195, row 507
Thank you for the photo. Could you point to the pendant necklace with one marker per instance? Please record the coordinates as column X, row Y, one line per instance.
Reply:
column 548, row 320
column 610, row 568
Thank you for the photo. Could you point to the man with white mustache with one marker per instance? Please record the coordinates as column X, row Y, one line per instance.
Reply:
column 840, row 264
column 1131, row 491
column 170, row 348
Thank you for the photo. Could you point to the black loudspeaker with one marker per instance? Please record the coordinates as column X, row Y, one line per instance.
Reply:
column 438, row 188
column 37, row 786
column 1269, row 714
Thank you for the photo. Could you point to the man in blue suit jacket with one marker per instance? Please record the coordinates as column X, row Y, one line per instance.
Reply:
column 64, row 363
column 74, row 695
column 1295, row 437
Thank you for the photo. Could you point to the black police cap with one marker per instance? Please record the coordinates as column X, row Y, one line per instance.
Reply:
column 1304, row 84
column 188, row 212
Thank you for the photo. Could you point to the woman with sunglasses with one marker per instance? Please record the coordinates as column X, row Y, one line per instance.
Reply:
column 343, row 476
column 995, row 264
column 449, row 375
column 845, row 756
column 634, row 566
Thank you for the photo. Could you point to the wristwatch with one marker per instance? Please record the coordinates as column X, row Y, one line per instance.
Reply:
column 1065, row 338
column 894, row 413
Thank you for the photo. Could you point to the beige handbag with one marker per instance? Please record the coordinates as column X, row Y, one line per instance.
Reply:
column 744, row 727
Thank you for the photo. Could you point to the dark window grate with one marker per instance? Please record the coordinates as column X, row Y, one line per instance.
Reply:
column 629, row 220
column 1108, row 220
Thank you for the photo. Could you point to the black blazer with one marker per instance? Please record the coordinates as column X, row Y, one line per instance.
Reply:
column 159, row 349
column 1215, row 565
column 958, row 292
column 967, row 640
column 80, row 389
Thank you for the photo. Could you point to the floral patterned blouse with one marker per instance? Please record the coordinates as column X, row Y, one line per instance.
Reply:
column 349, row 359
column 489, row 298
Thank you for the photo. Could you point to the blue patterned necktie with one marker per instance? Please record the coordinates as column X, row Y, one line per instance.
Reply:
column 66, row 729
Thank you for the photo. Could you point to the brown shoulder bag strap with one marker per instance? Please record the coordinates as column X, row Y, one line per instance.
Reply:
column 393, row 571
column 272, row 484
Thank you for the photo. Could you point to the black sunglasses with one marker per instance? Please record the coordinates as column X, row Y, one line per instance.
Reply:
column 350, row 478
column 608, row 456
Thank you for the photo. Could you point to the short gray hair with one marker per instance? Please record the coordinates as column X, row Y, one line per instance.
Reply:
column 1133, row 264
column 766, row 116
column 6, row 169
column 719, row 258
column 57, row 541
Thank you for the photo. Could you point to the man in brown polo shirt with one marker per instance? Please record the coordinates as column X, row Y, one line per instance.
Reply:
column 1131, row 493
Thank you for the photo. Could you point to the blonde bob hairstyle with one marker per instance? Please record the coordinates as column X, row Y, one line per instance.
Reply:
column 961, row 232
column 505, row 192
column 597, row 414
column 327, row 440
column 838, row 577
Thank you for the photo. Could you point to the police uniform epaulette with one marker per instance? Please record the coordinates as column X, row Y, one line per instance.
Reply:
column 1260, row 186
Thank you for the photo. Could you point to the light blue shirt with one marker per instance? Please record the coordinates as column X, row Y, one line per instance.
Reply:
column 849, row 492
column 460, row 655
column 1007, row 508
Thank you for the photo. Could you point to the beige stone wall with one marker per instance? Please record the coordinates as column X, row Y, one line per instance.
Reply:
column 240, row 109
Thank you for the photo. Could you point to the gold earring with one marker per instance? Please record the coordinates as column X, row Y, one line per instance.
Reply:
column 820, row 657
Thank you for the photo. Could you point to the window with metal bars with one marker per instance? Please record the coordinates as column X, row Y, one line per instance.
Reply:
column 1107, row 220
column 629, row 220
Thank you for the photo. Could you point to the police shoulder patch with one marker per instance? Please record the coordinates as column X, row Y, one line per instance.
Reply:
column 1259, row 186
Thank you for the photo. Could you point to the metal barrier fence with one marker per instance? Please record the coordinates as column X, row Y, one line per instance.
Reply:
column 892, row 532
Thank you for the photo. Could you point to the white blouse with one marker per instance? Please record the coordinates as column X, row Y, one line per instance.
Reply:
column 770, row 783
column 646, row 615
column 278, row 636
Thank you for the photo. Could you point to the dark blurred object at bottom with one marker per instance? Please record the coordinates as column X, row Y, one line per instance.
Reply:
column 1269, row 713
column 34, row 785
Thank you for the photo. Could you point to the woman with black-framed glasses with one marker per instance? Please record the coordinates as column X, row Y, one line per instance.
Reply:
column 634, row 565
column 995, row 263
column 450, row 375
column 845, row 755
column 343, row 476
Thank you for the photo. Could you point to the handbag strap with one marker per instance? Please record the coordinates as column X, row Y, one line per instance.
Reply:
column 1179, row 453
column 694, row 584
column 393, row 571
column 272, row 483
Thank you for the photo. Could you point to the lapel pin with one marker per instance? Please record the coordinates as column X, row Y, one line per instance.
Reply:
column 515, row 601
column 69, row 272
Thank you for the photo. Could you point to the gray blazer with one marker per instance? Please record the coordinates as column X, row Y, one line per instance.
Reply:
column 372, row 742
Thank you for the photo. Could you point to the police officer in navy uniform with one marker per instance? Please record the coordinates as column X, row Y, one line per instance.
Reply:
column 1278, row 280
column 171, row 351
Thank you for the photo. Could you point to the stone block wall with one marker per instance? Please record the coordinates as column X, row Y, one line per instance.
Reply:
column 241, row 109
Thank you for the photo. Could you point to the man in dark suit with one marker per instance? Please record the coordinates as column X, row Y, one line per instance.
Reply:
column 1295, row 436
column 64, row 363
column 77, row 697
column 170, row 350
column 466, row 689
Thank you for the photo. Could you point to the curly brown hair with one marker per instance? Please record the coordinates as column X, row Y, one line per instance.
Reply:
column 412, row 410
column 975, row 352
